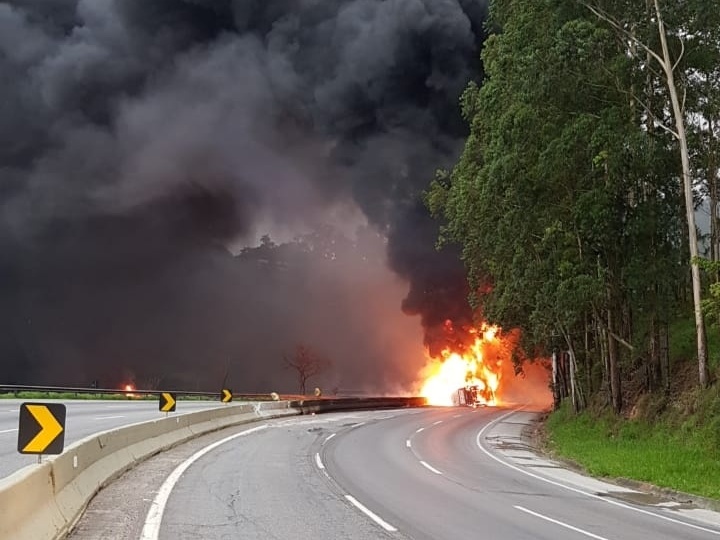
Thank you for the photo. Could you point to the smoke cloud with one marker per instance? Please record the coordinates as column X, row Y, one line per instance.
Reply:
column 141, row 141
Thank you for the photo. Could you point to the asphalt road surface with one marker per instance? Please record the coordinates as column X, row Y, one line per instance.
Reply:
column 84, row 417
column 440, row 474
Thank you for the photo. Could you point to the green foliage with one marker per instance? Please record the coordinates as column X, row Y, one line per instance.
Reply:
column 560, row 199
column 651, row 450
column 71, row 395
column 683, row 345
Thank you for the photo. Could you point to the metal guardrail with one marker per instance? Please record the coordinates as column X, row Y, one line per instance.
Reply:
column 304, row 403
column 18, row 388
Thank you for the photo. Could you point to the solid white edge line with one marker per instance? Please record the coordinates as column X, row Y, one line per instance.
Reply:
column 369, row 513
column 577, row 490
column 561, row 523
column 329, row 437
column 153, row 520
column 429, row 467
column 408, row 443
column 318, row 462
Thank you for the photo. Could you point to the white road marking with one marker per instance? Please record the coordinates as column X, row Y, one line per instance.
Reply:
column 408, row 443
column 319, row 462
column 8, row 430
column 457, row 415
column 369, row 513
column 561, row 523
column 329, row 437
column 419, row 430
column 438, row 422
column 153, row 520
column 358, row 424
column 108, row 417
column 577, row 490
column 429, row 467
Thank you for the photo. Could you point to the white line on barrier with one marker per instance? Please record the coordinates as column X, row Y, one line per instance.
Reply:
column 153, row 520
column 573, row 489
column 429, row 467
column 109, row 417
column 8, row 430
column 318, row 462
column 369, row 513
column 561, row 523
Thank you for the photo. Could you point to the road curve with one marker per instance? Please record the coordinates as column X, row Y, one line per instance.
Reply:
column 84, row 417
column 422, row 474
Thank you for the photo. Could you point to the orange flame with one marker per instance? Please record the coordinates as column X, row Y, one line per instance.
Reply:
column 480, row 366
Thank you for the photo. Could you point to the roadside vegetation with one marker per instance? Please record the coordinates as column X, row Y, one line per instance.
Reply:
column 70, row 395
column 594, row 146
column 80, row 395
column 677, row 448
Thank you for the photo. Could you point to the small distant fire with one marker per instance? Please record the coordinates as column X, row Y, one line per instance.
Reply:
column 478, row 365
column 129, row 389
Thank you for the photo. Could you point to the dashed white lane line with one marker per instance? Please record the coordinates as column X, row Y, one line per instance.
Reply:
column 8, row 430
column 108, row 417
column 319, row 462
column 429, row 467
column 561, row 523
column 573, row 489
column 369, row 513
column 358, row 424
column 408, row 443
column 153, row 520
column 457, row 415
column 438, row 422
column 419, row 430
column 329, row 437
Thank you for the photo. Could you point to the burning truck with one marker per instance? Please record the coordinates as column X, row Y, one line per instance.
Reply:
column 469, row 377
column 474, row 396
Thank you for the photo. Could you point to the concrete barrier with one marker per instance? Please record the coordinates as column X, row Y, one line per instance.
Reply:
column 43, row 502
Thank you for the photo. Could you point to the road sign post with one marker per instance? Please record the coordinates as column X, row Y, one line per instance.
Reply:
column 168, row 402
column 41, row 428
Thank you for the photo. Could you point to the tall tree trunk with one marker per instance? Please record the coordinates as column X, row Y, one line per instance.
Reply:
column 679, row 115
column 613, row 361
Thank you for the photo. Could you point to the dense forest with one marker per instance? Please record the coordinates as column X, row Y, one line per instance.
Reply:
column 594, row 145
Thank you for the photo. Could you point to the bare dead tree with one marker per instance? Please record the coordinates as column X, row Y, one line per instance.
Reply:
column 306, row 362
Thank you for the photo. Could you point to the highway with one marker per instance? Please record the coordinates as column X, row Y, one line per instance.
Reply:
column 84, row 417
column 425, row 474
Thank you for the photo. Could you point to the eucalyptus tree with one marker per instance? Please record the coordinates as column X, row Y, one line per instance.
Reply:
column 653, row 50
column 553, row 196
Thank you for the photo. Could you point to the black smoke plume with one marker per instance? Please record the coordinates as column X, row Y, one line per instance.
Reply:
column 140, row 139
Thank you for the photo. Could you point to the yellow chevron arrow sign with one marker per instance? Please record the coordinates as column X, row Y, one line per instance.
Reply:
column 226, row 396
column 167, row 402
column 42, row 428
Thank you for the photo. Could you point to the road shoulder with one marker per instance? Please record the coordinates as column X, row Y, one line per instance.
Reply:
column 514, row 439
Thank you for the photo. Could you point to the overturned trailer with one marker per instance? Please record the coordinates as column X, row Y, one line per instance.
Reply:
column 474, row 396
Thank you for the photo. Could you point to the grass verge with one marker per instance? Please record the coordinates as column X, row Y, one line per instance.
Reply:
column 676, row 451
